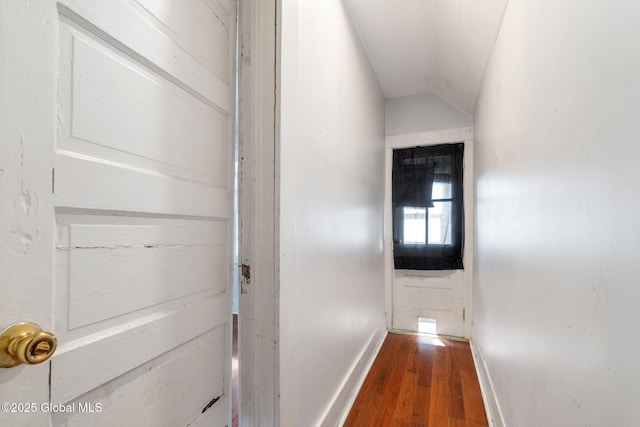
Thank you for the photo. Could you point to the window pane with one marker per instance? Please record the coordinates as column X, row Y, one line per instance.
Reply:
column 414, row 224
column 440, row 223
column 426, row 197
column 441, row 190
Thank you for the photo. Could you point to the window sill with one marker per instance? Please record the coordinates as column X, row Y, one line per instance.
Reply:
column 425, row 273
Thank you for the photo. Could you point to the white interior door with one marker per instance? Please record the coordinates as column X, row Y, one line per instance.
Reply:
column 442, row 296
column 115, row 208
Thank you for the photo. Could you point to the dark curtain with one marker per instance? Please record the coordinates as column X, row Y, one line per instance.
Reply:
column 414, row 172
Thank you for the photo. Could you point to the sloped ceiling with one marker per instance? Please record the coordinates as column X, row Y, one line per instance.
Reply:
column 423, row 46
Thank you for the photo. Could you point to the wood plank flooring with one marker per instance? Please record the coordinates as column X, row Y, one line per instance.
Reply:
column 235, row 392
column 418, row 381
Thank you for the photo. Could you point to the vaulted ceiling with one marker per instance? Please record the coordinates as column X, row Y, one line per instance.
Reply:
column 422, row 46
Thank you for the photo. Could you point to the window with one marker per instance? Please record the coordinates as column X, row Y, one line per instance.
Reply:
column 428, row 211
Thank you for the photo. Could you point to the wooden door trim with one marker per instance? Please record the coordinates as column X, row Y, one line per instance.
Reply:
column 258, row 208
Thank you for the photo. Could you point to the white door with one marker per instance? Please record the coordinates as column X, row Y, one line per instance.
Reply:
column 116, row 123
column 441, row 297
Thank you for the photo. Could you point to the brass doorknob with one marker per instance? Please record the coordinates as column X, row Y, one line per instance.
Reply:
column 25, row 343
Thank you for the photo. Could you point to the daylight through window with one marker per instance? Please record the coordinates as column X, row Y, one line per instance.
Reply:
column 428, row 214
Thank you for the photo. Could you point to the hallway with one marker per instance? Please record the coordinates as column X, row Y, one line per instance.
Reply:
column 420, row 381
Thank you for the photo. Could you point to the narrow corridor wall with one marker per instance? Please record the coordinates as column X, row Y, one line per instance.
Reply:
column 331, row 211
column 558, row 214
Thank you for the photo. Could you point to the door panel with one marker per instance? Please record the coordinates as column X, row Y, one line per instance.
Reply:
column 124, row 115
column 108, row 354
column 201, row 28
column 132, row 237
column 127, row 27
column 97, row 263
column 435, row 295
column 160, row 403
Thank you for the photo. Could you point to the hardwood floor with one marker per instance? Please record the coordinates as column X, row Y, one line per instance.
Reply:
column 235, row 393
column 416, row 382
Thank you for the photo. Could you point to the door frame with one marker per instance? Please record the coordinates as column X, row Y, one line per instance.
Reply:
column 409, row 140
column 258, row 187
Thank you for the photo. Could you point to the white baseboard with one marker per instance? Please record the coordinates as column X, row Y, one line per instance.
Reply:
column 491, row 405
column 337, row 413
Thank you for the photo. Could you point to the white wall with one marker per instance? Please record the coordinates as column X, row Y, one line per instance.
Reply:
column 422, row 113
column 331, row 219
column 558, row 214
